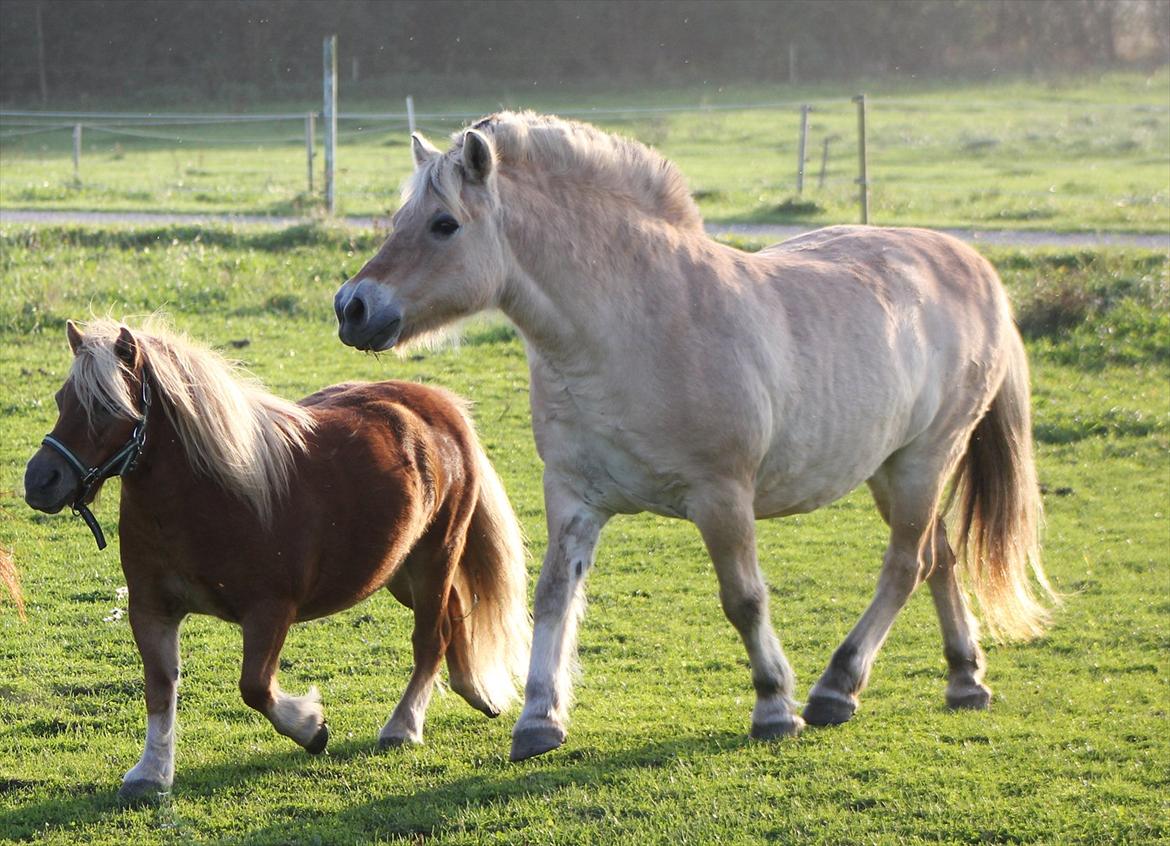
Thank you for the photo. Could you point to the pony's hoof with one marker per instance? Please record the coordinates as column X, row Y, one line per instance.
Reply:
column 142, row 791
column 977, row 698
column 317, row 745
column 397, row 741
column 777, row 729
column 490, row 713
column 822, row 710
column 530, row 742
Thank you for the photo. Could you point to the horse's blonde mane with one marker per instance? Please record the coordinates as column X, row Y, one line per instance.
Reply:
column 232, row 430
column 575, row 151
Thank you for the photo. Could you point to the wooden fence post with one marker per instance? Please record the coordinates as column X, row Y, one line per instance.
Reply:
column 330, row 123
column 77, row 152
column 310, row 121
column 801, row 147
column 862, row 164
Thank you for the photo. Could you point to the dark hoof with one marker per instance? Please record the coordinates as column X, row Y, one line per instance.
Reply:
column 530, row 742
column 970, row 699
column 317, row 745
column 828, row 710
column 791, row 727
column 142, row 791
column 396, row 742
column 490, row 713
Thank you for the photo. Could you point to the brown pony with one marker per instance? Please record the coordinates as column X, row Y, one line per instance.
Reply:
column 244, row 506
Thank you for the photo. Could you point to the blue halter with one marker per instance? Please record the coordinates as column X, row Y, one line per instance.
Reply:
column 119, row 464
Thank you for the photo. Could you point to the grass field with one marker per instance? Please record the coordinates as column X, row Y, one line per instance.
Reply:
column 1081, row 154
column 1074, row 749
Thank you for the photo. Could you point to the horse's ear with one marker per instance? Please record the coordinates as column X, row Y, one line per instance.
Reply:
column 74, row 335
column 479, row 157
column 422, row 149
column 126, row 348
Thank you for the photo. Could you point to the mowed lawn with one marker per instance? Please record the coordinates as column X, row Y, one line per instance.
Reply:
column 1075, row 748
column 1069, row 155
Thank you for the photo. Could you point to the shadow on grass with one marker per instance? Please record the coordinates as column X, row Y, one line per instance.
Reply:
column 424, row 812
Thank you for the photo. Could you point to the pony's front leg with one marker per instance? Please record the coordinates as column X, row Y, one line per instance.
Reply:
column 727, row 524
column 298, row 717
column 573, row 531
column 157, row 636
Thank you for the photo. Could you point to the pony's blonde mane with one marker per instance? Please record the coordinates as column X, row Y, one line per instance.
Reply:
column 232, row 430
column 605, row 163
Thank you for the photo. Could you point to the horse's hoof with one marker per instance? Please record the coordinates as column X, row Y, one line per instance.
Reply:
column 977, row 698
column 317, row 745
column 821, row 710
column 141, row 791
column 490, row 713
column 396, row 741
column 530, row 742
column 777, row 729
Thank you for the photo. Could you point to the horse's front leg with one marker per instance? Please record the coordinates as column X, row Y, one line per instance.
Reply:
column 573, row 529
column 299, row 717
column 726, row 520
column 157, row 635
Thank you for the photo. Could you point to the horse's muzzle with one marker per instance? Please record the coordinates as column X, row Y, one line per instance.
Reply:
column 46, row 487
column 365, row 319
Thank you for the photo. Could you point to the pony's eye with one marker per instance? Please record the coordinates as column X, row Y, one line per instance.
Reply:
column 444, row 226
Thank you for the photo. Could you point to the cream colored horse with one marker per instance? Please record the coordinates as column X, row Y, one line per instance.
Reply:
column 676, row 375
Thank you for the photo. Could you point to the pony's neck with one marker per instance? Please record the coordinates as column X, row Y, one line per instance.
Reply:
column 580, row 271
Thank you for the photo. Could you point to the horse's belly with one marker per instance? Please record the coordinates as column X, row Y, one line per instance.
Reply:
column 796, row 481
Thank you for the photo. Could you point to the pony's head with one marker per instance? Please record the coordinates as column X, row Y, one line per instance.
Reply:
column 445, row 258
column 99, row 408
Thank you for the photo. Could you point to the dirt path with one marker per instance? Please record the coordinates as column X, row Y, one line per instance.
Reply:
column 1005, row 237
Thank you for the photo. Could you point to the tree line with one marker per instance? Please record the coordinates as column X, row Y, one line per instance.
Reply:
column 68, row 50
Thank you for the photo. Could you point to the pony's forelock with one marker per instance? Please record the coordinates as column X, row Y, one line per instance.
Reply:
column 231, row 429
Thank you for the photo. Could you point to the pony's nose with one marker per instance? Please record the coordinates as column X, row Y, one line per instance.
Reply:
column 42, row 486
column 355, row 310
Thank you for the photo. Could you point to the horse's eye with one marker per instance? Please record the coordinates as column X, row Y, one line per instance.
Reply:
column 444, row 226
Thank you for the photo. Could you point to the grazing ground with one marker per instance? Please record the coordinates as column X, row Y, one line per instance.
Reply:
column 1074, row 749
column 1080, row 154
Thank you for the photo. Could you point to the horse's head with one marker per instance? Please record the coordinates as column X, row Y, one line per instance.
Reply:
column 97, row 418
column 445, row 257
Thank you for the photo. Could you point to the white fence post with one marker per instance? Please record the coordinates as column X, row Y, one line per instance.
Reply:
column 862, row 161
column 801, row 147
column 410, row 113
column 310, row 120
column 330, row 122
column 77, row 152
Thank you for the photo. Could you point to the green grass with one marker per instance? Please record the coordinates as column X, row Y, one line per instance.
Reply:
column 1075, row 748
column 1082, row 154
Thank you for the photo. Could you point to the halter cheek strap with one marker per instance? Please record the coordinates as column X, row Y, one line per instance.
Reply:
column 118, row 464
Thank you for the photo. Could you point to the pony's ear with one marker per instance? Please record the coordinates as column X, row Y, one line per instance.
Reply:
column 479, row 157
column 74, row 335
column 422, row 149
column 126, row 348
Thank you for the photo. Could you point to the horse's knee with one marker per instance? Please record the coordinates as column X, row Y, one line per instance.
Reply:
column 256, row 695
column 744, row 608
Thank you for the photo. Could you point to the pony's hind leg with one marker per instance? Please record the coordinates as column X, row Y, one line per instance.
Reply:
column 728, row 530
column 297, row 717
column 965, row 661
column 157, row 636
column 906, row 492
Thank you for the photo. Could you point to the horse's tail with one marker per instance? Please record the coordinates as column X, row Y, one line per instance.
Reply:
column 10, row 580
column 491, row 651
column 1000, row 511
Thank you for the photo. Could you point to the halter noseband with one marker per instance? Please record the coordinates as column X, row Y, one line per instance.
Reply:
column 119, row 464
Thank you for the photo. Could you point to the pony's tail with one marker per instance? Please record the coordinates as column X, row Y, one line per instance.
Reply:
column 1000, row 512
column 11, row 581
column 492, row 636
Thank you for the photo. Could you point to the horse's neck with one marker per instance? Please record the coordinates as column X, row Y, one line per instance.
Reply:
column 579, row 280
column 163, row 475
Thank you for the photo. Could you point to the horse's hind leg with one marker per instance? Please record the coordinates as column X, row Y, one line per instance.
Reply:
column 907, row 492
column 965, row 688
column 728, row 529
column 157, row 636
column 298, row 717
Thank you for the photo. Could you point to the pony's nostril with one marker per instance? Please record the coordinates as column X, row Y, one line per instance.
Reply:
column 355, row 310
column 53, row 477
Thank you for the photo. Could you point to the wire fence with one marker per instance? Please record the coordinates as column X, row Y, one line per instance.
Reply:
column 966, row 160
